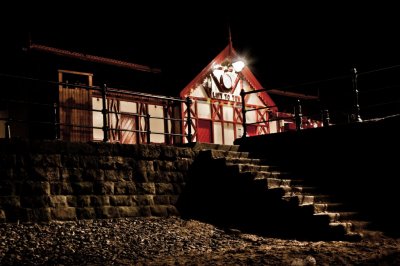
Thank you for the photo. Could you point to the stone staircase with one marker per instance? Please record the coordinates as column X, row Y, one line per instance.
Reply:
column 274, row 201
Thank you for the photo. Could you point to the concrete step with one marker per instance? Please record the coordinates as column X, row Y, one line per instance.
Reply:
column 297, row 182
column 271, row 174
column 209, row 146
column 299, row 200
column 334, row 207
column 329, row 217
column 273, row 182
column 353, row 236
column 216, row 154
column 305, row 190
column 241, row 160
column 323, row 198
column 251, row 167
column 358, row 226
column 341, row 228
column 350, row 215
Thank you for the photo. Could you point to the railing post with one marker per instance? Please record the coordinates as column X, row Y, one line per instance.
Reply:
column 56, row 137
column 104, row 112
column 242, row 95
column 189, row 119
column 148, row 131
column 325, row 118
column 355, row 116
column 8, row 128
column 298, row 115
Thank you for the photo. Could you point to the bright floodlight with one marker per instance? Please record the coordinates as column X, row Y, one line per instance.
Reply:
column 238, row 65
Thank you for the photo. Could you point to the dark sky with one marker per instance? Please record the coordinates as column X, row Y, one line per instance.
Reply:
column 285, row 45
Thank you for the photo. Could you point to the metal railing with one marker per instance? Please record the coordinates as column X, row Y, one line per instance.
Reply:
column 174, row 125
column 354, row 88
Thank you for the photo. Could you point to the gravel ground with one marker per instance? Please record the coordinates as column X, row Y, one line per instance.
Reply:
column 173, row 241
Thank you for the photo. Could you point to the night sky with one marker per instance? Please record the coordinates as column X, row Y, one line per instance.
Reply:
column 285, row 45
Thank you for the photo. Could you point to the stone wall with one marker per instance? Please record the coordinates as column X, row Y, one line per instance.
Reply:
column 54, row 180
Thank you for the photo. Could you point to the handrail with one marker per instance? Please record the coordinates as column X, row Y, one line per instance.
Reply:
column 105, row 94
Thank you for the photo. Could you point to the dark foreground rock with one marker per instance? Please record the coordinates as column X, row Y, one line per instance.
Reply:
column 173, row 241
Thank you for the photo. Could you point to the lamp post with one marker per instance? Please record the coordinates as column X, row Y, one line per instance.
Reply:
column 238, row 67
column 355, row 116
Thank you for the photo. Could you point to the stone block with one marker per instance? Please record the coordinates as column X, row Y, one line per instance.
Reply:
column 2, row 216
column 141, row 177
column 107, row 212
column 71, row 174
column 177, row 177
column 107, row 162
column 182, row 164
column 72, row 201
column 173, row 199
column 164, row 189
column 36, row 215
column 98, row 201
column 168, row 152
column 145, row 211
column 55, row 188
column 103, row 188
column 83, row 201
column 122, row 163
column 161, row 200
column 78, row 148
column 35, row 188
column 160, row 165
column 10, row 202
column 118, row 175
column 124, row 188
column 126, row 150
column 63, row 214
column 121, row 201
column 58, row 201
column 161, row 177
column 131, row 188
column 85, row 213
column 46, row 160
column 128, row 211
column 146, row 188
column 45, row 173
column 61, row 188
column 144, row 200
column 149, row 151
column 66, row 188
column 70, row 161
column 82, row 188
column 111, row 175
column 159, row 210
column 172, row 211
column 93, row 175
column 144, row 171
column 89, row 162
column 185, row 153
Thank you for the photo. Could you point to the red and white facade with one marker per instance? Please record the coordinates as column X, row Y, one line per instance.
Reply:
column 216, row 109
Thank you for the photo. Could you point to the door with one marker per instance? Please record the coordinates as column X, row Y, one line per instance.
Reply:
column 204, row 131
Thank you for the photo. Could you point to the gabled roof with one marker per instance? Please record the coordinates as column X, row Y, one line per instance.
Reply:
column 92, row 58
column 228, row 53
